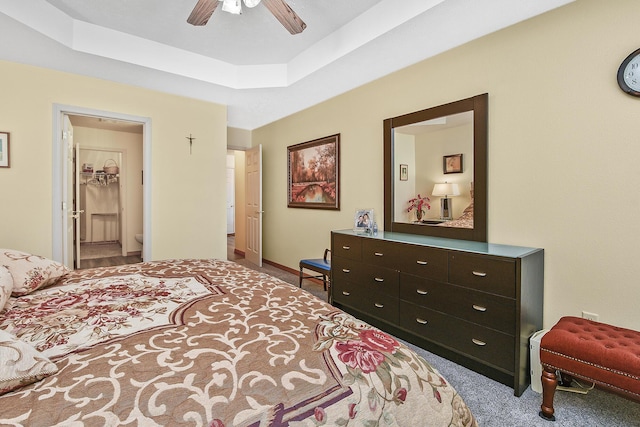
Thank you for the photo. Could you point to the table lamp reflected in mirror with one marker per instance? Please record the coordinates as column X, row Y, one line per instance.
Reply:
column 446, row 205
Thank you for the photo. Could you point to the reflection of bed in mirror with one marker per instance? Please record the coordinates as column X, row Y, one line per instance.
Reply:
column 463, row 221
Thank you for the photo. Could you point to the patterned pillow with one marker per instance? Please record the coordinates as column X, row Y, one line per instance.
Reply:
column 6, row 285
column 21, row 364
column 30, row 272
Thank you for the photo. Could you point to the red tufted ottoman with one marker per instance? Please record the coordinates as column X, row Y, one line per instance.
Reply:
column 596, row 352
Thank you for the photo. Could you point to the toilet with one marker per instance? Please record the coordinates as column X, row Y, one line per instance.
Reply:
column 139, row 238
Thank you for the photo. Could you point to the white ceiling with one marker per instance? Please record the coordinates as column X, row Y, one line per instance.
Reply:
column 248, row 62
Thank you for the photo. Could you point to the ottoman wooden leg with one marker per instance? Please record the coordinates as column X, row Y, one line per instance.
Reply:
column 549, row 383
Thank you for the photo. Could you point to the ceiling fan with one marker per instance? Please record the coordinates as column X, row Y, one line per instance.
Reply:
column 279, row 8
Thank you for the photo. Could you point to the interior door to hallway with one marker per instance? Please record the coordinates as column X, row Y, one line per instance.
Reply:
column 231, row 195
column 253, row 211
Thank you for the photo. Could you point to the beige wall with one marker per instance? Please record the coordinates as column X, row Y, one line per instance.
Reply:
column 188, row 213
column 563, row 152
column 430, row 150
column 238, row 139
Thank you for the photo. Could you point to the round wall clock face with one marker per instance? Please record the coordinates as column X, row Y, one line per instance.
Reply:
column 629, row 74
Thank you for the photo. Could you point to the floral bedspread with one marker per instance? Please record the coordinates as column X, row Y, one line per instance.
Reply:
column 212, row 343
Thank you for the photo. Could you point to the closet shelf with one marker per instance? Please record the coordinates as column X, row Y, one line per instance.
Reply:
column 98, row 178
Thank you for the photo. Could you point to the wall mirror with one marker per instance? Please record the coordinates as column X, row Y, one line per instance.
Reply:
column 439, row 153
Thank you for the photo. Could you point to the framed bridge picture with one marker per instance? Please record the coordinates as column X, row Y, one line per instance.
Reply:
column 314, row 174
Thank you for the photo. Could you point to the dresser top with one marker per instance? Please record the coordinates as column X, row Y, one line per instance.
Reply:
column 443, row 243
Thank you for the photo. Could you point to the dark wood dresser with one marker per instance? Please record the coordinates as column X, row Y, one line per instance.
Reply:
column 474, row 303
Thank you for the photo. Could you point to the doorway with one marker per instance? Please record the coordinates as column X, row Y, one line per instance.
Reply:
column 109, row 204
column 67, row 232
column 231, row 193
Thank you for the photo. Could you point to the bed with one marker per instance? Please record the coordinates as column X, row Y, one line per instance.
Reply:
column 463, row 221
column 201, row 343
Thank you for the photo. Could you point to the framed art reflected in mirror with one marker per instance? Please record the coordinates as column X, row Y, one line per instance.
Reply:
column 452, row 163
column 4, row 150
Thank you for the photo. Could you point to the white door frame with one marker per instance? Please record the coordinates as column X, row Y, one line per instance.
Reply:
column 60, row 175
column 253, row 203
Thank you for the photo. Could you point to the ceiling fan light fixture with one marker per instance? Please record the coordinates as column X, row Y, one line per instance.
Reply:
column 251, row 3
column 232, row 6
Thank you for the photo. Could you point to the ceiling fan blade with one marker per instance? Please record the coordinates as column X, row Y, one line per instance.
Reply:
column 202, row 12
column 287, row 17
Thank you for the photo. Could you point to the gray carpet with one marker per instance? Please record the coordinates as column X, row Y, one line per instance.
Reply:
column 494, row 404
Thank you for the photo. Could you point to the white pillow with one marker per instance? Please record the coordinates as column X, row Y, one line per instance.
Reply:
column 30, row 272
column 21, row 364
column 6, row 285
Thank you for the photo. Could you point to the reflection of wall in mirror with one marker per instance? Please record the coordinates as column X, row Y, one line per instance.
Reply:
column 405, row 154
column 430, row 149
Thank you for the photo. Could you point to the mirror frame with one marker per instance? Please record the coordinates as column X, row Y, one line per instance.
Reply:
column 479, row 105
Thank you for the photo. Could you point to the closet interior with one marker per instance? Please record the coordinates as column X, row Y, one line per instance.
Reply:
column 100, row 199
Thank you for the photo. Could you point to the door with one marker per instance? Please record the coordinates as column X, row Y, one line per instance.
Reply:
column 77, row 212
column 253, row 211
column 71, row 198
column 231, row 195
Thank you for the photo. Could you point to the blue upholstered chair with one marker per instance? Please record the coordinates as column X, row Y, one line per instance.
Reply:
column 318, row 265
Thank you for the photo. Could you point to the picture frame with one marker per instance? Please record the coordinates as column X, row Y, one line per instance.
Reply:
column 363, row 220
column 314, row 174
column 452, row 163
column 404, row 172
column 5, row 159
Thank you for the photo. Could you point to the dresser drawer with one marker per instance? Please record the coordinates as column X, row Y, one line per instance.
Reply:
column 344, row 269
column 379, row 252
column 484, row 344
column 485, row 309
column 346, row 246
column 381, row 306
column 371, row 278
column 346, row 293
column 375, row 304
column 418, row 260
column 494, row 275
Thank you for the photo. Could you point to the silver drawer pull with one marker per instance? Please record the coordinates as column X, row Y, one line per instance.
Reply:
column 379, row 305
column 378, row 254
column 421, row 262
column 479, row 308
column 422, row 292
column 378, row 279
column 478, row 342
column 346, row 270
column 479, row 273
column 345, row 293
column 346, row 248
column 421, row 321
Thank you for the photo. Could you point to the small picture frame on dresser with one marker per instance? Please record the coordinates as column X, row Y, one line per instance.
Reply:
column 363, row 220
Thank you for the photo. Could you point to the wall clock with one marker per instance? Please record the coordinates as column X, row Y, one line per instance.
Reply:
column 629, row 74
